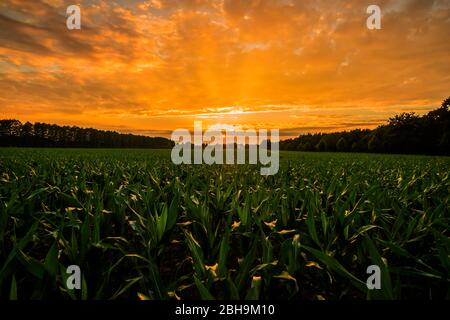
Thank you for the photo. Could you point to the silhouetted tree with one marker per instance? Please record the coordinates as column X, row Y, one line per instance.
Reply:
column 13, row 133
column 374, row 144
column 322, row 145
column 342, row 145
column 404, row 133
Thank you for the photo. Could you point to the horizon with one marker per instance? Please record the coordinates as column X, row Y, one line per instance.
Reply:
column 148, row 68
column 191, row 131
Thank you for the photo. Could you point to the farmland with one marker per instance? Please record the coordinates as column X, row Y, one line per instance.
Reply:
column 140, row 227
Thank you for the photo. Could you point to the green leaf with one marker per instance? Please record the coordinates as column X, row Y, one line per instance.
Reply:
column 13, row 289
column 32, row 265
column 223, row 252
column 386, row 286
column 197, row 254
column 244, row 267
column 51, row 260
column 204, row 292
column 84, row 289
column 255, row 289
column 334, row 265
column 310, row 223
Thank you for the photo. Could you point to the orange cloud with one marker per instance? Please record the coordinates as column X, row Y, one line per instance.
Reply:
column 157, row 65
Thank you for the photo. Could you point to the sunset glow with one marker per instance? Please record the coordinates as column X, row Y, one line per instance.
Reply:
column 150, row 67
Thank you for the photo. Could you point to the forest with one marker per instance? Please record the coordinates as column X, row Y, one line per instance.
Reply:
column 406, row 133
column 15, row 134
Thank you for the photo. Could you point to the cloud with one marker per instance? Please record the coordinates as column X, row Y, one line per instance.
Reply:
column 162, row 63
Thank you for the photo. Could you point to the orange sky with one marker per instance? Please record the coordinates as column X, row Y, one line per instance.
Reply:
column 150, row 67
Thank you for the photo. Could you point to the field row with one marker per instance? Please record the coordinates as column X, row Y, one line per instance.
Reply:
column 140, row 227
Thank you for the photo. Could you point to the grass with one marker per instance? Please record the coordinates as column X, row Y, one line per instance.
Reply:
column 142, row 228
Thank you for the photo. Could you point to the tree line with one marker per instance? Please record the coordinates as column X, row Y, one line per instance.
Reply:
column 14, row 133
column 406, row 133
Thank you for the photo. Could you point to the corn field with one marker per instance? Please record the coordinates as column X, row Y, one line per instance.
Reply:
column 140, row 227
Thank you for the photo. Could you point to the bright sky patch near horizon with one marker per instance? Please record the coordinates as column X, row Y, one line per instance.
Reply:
column 150, row 67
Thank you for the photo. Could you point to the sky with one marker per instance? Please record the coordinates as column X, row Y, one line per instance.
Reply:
column 150, row 67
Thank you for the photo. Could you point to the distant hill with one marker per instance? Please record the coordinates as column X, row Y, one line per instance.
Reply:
column 14, row 133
